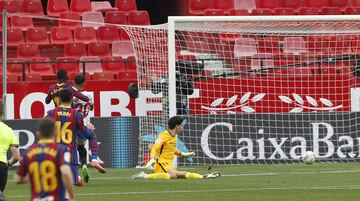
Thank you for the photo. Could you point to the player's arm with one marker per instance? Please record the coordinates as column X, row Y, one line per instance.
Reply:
column 49, row 97
column 79, row 95
column 67, row 178
column 14, row 149
column 155, row 151
column 20, row 177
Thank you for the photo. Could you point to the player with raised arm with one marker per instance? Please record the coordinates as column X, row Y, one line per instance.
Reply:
column 47, row 164
column 62, row 77
column 70, row 125
column 163, row 153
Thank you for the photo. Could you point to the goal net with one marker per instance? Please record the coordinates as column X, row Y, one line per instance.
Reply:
column 252, row 91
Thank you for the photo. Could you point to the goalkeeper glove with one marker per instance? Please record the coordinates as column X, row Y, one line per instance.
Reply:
column 188, row 154
column 150, row 163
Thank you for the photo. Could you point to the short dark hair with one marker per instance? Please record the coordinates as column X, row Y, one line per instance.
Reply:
column 61, row 75
column 79, row 80
column 47, row 127
column 174, row 121
column 65, row 95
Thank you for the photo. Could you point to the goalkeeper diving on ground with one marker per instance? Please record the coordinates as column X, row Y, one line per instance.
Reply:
column 163, row 154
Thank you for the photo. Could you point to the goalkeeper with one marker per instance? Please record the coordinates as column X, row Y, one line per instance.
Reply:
column 163, row 152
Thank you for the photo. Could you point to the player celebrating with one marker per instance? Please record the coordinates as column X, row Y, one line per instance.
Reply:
column 62, row 77
column 69, row 125
column 47, row 163
column 163, row 153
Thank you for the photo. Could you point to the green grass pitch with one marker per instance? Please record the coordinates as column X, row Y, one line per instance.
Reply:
column 291, row 182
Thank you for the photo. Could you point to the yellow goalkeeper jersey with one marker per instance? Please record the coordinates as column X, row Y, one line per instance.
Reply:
column 164, row 148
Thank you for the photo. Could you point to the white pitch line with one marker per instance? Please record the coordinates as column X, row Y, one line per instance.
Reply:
column 345, row 187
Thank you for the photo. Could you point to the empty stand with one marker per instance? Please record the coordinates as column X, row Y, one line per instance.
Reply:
column 80, row 6
column 33, row 77
column 338, row 3
column 32, row 7
column 331, row 11
column 101, row 6
column 294, row 45
column 214, row 12
column 100, row 49
column 90, row 67
column 13, row 6
column 352, row 11
column 21, row 22
column 126, row 5
column 264, row 11
column 116, row 17
column 138, row 18
column 108, row 34
column 269, row 45
column 315, row 3
column 10, row 77
column 67, row 63
column 56, row 7
column 245, row 47
column 238, row 12
column 28, row 50
column 15, row 37
column 123, row 49
column 17, row 67
column 73, row 75
column 75, row 50
column 115, row 67
column 268, row 4
column 355, row 3
column 85, row 35
column 245, row 4
column 61, row 35
column 225, row 5
column 131, row 64
column 37, row 36
column 309, row 11
column 262, row 61
column 130, row 75
column 104, row 76
column 71, row 20
column 295, row 4
column 92, row 19
column 284, row 11
column 44, row 69
column 198, row 7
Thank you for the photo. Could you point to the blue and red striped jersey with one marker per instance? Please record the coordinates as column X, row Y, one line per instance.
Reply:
column 42, row 162
column 53, row 93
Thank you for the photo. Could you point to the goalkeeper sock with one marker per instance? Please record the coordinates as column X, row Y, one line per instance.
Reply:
column 158, row 176
column 193, row 176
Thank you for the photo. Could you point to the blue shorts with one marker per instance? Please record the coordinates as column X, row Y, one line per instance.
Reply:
column 74, row 170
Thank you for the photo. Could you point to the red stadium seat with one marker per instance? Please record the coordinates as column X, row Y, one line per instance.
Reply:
column 73, row 75
column 56, row 7
column 309, row 11
column 269, row 45
column 44, row 69
column 33, row 77
column 225, row 5
column 102, row 6
column 92, row 19
column 10, row 77
column 294, row 45
column 108, row 34
column 74, row 23
column 91, row 67
column 338, row 4
column 85, row 35
column 214, row 12
column 67, row 65
column 28, row 51
column 186, row 57
column 61, row 35
column 130, row 75
column 21, row 22
column 138, row 18
column 37, row 36
column 80, row 6
column 116, row 17
column 262, row 61
column 355, row 3
column 352, row 11
column 15, row 37
column 198, row 7
column 131, row 63
column 268, row 4
column 118, row 65
column 123, row 34
column 261, row 12
column 340, row 44
column 229, row 37
column 284, row 11
column 17, row 68
column 13, row 6
column 291, row 3
column 331, row 11
column 33, row 7
column 100, row 49
column 75, row 50
column 315, row 4
column 123, row 49
column 104, row 76
column 126, row 5
column 318, row 44
column 245, row 4
column 238, row 12
column 245, row 47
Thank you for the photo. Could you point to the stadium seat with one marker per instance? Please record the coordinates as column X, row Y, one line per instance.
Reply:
column 198, row 7
column 260, row 11
column 309, row 11
column 102, row 6
column 56, row 7
column 340, row 44
column 261, row 61
column 91, row 67
column 73, row 75
column 67, row 65
column 225, row 5
column 295, row 4
column 352, row 11
column 115, row 67
column 33, row 7
column 74, row 23
column 100, row 49
column 245, row 4
column 75, row 50
column 131, row 64
column 13, row 6
column 130, row 75
column 85, row 35
column 44, row 69
column 285, row 59
column 80, row 6
column 284, row 11
column 15, row 37
column 138, row 18
column 10, row 77
column 123, row 49
column 123, row 34
column 92, row 19
column 317, row 44
column 214, row 12
column 315, row 4
column 104, row 76
column 268, row 4
column 355, row 3
column 338, row 4
column 37, row 36
column 15, row 68
column 245, row 47
column 229, row 37
column 238, row 12
column 186, row 58
column 108, row 34
column 33, row 77
column 21, row 22
column 126, row 5
column 294, row 45
column 331, row 11
column 269, row 45
column 28, row 51
column 61, row 35
column 116, row 17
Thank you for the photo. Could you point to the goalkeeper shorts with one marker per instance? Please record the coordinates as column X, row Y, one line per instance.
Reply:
column 163, row 167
